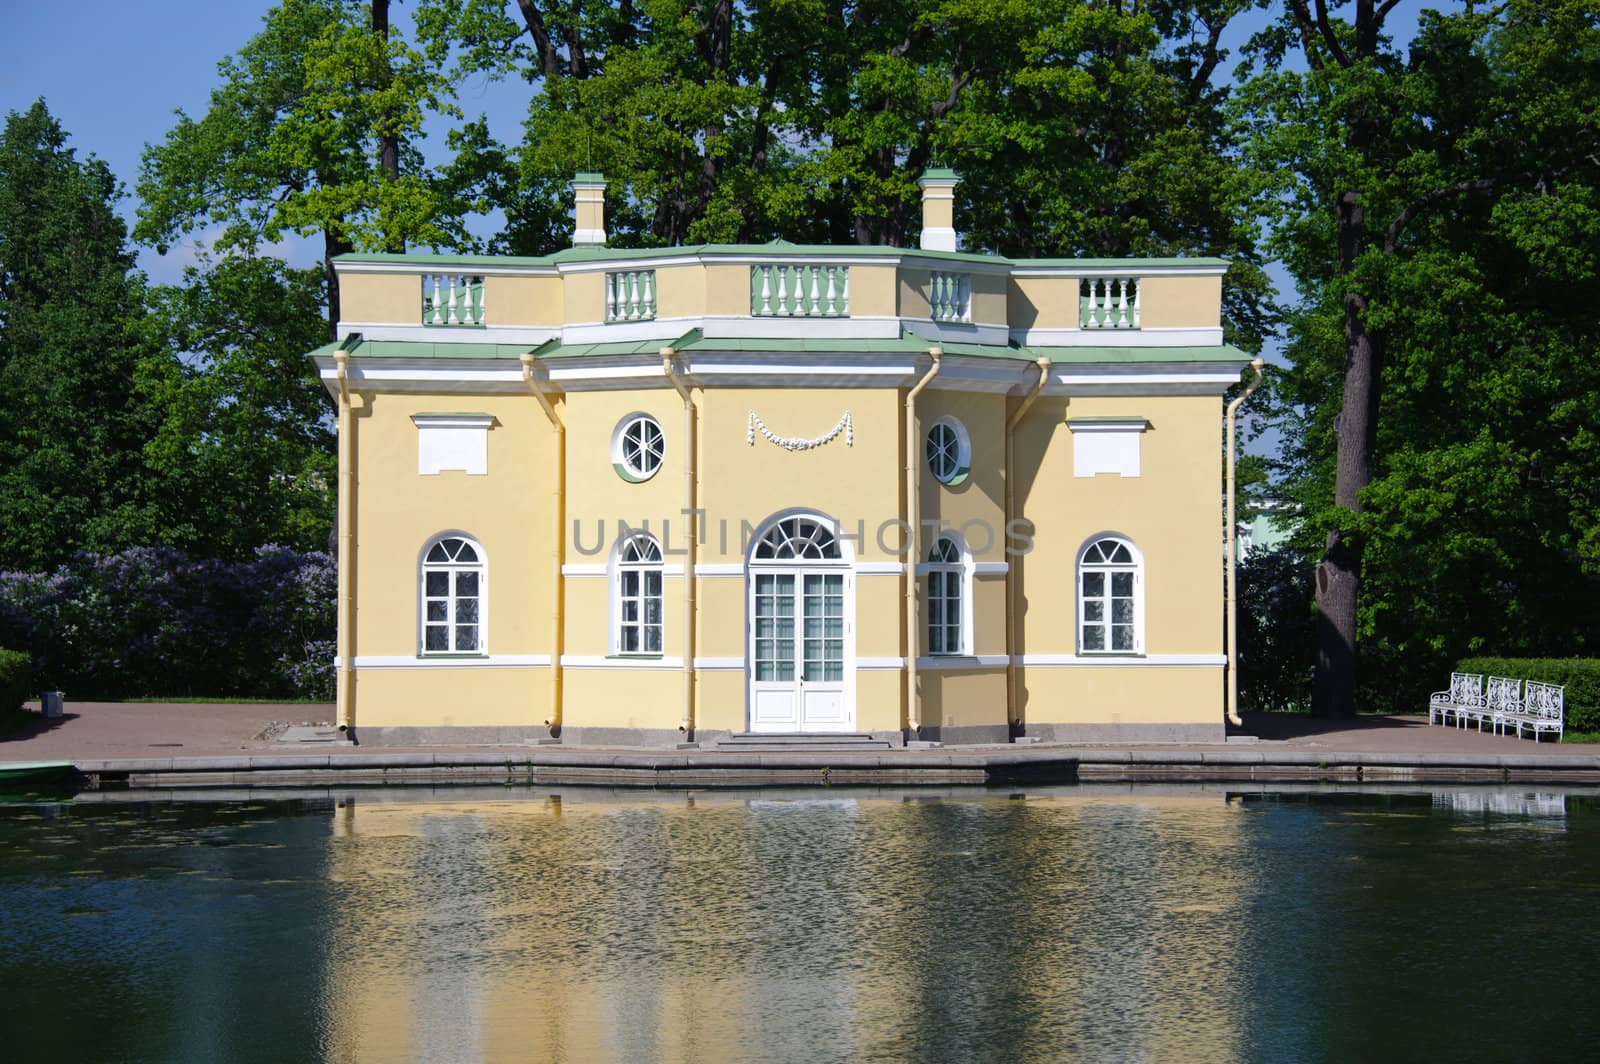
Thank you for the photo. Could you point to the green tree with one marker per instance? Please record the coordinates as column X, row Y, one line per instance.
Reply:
column 313, row 130
column 1437, row 208
column 72, row 336
column 1080, row 127
column 245, row 450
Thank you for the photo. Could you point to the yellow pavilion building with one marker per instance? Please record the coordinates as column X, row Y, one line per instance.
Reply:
column 667, row 496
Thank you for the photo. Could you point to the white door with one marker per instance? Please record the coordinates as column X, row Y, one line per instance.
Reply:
column 798, row 630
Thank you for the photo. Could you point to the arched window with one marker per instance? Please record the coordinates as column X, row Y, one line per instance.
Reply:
column 947, row 576
column 1109, row 593
column 798, row 537
column 637, row 606
column 452, row 597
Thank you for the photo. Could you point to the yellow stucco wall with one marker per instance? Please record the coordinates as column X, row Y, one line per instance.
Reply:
column 399, row 511
column 1145, row 694
column 1172, row 513
column 583, row 297
column 1042, row 302
column 873, row 291
column 680, row 291
column 522, row 300
column 989, row 299
column 380, row 297
column 1180, row 302
column 727, row 291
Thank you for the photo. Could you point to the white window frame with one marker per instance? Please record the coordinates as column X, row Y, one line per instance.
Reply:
column 961, row 571
column 453, row 569
column 962, row 456
column 621, row 565
column 632, row 472
column 1081, row 568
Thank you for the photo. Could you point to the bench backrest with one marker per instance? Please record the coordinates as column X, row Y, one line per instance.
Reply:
column 1544, row 700
column 1466, row 688
column 1503, row 694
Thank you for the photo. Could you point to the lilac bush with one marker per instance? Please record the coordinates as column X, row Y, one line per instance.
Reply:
column 151, row 622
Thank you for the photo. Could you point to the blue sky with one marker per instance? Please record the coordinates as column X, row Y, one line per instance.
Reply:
column 113, row 74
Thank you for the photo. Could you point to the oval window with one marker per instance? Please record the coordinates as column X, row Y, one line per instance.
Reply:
column 637, row 447
column 949, row 451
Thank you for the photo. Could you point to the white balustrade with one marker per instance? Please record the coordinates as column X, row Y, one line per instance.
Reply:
column 950, row 296
column 452, row 299
column 1109, row 303
column 782, row 290
column 631, row 295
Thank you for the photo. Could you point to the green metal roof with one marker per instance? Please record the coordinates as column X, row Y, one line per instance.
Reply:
column 695, row 340
column 776, row 249
column 1134, row 355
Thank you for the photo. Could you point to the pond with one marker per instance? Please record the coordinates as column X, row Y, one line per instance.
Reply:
column 1083, row 923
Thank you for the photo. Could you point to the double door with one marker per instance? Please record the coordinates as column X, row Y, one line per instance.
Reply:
column 796, row 656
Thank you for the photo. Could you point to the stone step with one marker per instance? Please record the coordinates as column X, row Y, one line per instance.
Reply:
column 822, row 742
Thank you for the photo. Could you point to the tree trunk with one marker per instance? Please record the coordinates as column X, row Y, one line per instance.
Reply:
column 333, row 246
column 388, row 138
column 1356, row 438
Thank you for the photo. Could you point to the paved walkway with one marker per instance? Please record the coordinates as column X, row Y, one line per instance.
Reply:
column 96, row 731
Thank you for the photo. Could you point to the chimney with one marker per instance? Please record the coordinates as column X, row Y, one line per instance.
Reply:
column 938, row 209
column 589, row 194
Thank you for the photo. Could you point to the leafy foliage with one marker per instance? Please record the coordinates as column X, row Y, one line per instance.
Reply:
column 71, row 340
column 245, row 448
column 1470, row 164
column 1080, row 128
column 16, row 681
column 1580, row 676
column 1276, row 639
column 294, row 140
column 150, row 621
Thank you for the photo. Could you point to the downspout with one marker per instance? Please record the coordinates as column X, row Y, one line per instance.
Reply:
column 686, row 724
column 1013, row 707
column 558, row 511
column 1233, row 604
column 345, row 696
column 914, row 519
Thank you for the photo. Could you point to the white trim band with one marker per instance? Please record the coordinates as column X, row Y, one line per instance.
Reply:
column 719, row 664
column 595, row 661
column 445, row 661
column 1147, row 661
column 880, row 664
column 962, row 661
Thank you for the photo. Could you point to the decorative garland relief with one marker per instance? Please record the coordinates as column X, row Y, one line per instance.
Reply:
column 790, row 443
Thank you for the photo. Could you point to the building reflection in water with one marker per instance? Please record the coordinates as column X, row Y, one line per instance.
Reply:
column 714, row 928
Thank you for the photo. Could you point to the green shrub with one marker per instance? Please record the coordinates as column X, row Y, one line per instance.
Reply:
column 16, row 680
column 1580, row 676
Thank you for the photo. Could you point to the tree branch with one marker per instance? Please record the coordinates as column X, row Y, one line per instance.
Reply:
column 1303, row 23
column 1329, row 37
column 549, row 58
column 1391, row 239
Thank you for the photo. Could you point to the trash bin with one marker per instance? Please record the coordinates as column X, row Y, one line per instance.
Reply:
column 51, row 703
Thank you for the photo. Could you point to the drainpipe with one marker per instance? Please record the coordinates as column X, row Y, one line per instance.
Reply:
column 1233, row 604
column 558, row 511
column 686, row 725
column 1013, row 702
column 347, row 488
column 914, row 518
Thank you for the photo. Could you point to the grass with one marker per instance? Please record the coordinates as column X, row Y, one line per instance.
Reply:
column 1581, row 737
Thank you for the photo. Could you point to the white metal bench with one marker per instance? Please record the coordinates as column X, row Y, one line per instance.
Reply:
column 1542, row 708
column 1466, row 693
column 1502, row 700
